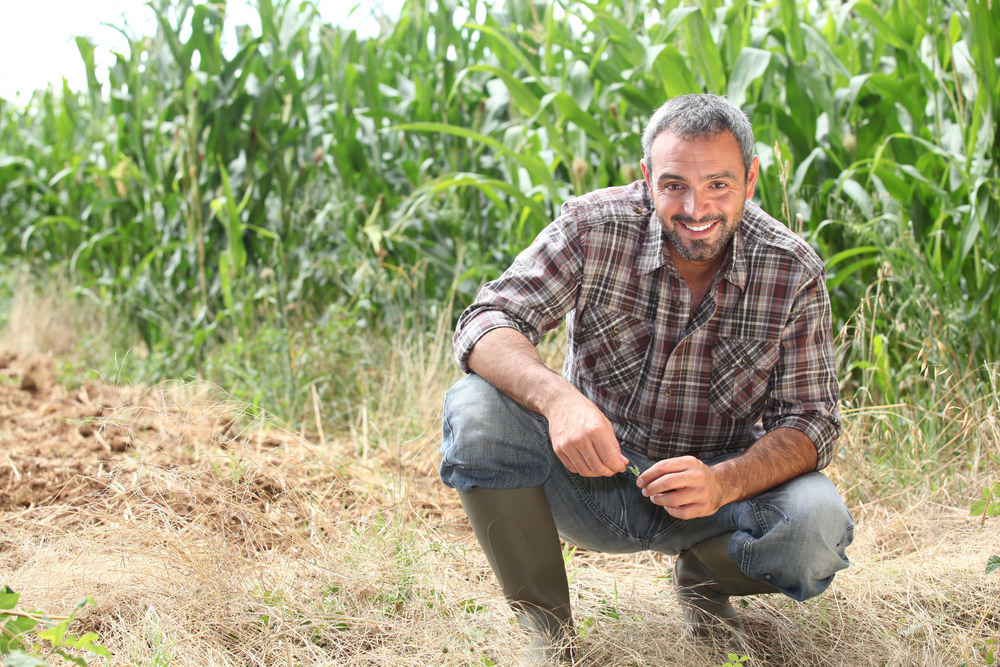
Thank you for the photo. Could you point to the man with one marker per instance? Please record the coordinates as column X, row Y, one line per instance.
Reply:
column 699, row 352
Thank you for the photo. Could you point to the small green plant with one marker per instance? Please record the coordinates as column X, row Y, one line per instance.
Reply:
column 29, row 638
column 733, row 660
column 634, row 469
column 989, row 505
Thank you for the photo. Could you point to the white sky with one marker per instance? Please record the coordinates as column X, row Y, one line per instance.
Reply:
column 36, row 36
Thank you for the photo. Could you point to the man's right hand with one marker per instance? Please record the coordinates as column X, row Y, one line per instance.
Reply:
column 582, row 437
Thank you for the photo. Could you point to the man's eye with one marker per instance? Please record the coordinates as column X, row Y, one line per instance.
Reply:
column 719, row 185
column 673, row 187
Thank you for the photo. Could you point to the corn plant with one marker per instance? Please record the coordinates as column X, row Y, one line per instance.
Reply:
column 239, row 197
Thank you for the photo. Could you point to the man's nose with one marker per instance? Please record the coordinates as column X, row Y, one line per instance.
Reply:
column 694, row 204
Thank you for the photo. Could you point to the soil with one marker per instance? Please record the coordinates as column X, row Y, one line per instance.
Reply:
column 55, row 442
column 185, row 448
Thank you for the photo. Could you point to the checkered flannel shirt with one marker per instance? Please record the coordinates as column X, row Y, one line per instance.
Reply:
column 754, row 356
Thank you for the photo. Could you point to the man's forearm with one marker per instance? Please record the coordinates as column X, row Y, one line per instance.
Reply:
column 506, row 359
column 582, row 437
column 777, row 457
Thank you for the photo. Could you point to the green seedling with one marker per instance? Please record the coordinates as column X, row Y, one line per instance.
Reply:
column 634, row 469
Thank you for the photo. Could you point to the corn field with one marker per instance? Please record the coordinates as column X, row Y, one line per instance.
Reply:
column 304, row 181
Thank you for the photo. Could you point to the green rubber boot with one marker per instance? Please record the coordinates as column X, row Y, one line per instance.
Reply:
column 704, row 579
column 515, row 529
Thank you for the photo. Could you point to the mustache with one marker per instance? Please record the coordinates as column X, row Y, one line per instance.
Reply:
column 690, row 220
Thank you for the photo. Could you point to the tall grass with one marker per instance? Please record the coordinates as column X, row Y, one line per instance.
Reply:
column 248, row 206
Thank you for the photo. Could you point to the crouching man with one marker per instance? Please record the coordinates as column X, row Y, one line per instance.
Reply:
column 699, row 353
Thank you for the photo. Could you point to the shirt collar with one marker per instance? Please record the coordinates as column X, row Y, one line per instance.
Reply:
column 651, row 254
column 737, row 271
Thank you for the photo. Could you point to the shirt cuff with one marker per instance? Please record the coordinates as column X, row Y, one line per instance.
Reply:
column 822, row 430
column 477, row 326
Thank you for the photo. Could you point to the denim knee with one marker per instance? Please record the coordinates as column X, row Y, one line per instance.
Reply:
column 489, row 441
column 794, row 536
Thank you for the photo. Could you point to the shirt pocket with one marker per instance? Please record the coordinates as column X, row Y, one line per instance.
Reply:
column 740, row 371
column 612, row 349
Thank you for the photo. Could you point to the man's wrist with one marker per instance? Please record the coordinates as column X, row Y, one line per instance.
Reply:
column 729, row 478
column 549, row 390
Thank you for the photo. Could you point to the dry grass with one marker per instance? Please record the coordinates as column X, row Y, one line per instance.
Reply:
column 213, row 539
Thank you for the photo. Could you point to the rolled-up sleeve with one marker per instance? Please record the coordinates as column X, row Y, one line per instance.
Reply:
column 532, row 296
column 804, row 391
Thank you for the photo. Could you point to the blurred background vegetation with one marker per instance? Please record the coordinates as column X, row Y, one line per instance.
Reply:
column 277, row 213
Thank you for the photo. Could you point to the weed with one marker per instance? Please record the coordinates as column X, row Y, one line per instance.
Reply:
column 29, row 637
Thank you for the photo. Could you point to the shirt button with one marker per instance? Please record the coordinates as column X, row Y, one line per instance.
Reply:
column 617, row 330
column 678, row 303
column 637, row 209
column 668, row 391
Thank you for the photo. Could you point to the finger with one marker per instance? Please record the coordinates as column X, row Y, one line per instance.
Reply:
column 689, row 511
column 568, row 459
column 594, row 463
column 668, row 483
column 673, row 499
column 611, row 457
column 665, row 467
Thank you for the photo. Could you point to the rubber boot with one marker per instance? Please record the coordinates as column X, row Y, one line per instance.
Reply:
column 516, row 531
column 704, row 579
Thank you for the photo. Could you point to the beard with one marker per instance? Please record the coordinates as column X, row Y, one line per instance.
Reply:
column 701, row 250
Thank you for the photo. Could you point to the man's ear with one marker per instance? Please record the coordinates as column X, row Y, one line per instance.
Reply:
column 752, row 174
column 645, row 173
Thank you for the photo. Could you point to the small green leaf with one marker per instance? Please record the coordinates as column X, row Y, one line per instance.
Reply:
column 993, row 564
column 472, row 607
column 8, row 598
column 978, row 507
column 21, row 659
column 20, row 625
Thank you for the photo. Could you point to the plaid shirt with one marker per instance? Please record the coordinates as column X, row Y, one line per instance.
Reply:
column 755, row 355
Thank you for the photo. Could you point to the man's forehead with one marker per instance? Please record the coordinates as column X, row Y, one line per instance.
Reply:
column 715, row 152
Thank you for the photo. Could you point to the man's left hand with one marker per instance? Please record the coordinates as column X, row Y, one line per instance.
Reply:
column 684, row 486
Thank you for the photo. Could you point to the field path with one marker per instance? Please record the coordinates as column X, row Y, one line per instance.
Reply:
column 208, row 537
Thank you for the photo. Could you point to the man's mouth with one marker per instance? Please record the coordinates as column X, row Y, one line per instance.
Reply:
column 699, row 228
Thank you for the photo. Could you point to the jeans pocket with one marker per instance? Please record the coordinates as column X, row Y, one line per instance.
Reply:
column 766, row 517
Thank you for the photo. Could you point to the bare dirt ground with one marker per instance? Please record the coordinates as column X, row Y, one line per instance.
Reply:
column 209, row 538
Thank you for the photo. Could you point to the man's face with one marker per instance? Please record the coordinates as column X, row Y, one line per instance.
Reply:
column 698, row 187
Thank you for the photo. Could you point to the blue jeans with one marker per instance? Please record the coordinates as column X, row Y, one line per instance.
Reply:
column 793, row 536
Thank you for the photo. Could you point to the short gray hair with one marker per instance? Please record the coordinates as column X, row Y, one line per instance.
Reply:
column 700, row 116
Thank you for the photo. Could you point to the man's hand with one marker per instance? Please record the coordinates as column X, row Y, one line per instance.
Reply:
column 583, row 438
column 687, row 488
column 684, row 486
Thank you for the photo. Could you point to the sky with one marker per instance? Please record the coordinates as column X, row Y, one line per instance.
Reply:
column 37, row 46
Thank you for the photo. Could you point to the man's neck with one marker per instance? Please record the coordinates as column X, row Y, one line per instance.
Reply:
column 697, row 275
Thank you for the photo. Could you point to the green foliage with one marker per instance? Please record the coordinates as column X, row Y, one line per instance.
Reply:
column 30, row 638
column 227, row 196
column 989, row 505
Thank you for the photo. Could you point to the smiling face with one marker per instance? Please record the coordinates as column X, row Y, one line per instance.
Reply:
column 699, row 187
